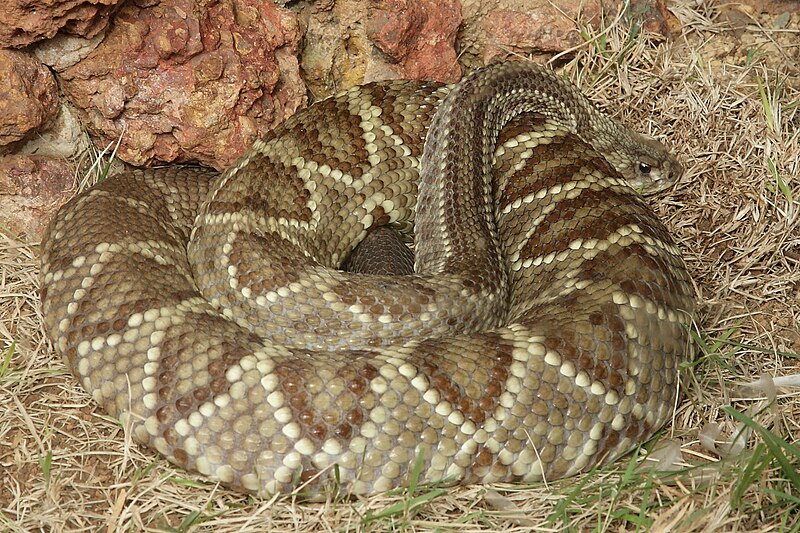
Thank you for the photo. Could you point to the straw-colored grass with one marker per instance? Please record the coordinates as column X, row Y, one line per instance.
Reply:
column 726, row 96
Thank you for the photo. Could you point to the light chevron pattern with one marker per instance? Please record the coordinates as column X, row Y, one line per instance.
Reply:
column 540, row 335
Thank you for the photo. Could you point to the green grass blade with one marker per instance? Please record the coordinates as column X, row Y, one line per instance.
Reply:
column 776, row 446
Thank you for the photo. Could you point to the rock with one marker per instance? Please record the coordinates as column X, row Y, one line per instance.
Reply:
column 417, row 37
column 65, row 137
column 189, row 81
column 31, row 189
column 655, row 17
column 23, row 22
column 495, row 28
column 523, row 27
column 28, row 96
column 349, row 42
column 63, row 51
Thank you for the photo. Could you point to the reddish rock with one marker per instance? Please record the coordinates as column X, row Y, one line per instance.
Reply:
column 502, row 27
column 395, row 26
column 655, row 17
column 28, row 96
column 187, row 80
column 418, row 37
column 31, row 189
column 498, row 28
column 544, row 30
column 23, row 22
column 349, row 42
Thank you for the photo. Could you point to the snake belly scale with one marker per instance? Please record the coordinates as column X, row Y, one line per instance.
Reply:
column 539, row 335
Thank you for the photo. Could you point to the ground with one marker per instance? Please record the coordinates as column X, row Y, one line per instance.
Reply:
column 724, row 95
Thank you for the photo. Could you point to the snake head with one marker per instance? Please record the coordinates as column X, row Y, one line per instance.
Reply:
column 645, row 163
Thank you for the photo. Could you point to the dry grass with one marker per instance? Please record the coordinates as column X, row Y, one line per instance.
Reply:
column 727, row 98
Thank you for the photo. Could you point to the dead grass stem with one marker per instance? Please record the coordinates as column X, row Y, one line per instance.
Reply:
column 727, row 99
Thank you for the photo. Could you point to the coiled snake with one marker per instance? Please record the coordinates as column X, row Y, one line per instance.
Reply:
column 539, row 335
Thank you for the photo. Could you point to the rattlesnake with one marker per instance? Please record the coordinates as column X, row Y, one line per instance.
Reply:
column 540, row 334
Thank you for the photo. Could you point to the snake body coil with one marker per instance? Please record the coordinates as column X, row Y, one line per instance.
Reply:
column 540, row 334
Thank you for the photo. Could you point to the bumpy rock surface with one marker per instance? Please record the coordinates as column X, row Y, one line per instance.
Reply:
column 417, row 38
column 199, row 80
column 23, row 22
column 348, row 42
column 189, row 81
column 63, row 51
column 498, row 27
column 31, row 189
column 28, row 96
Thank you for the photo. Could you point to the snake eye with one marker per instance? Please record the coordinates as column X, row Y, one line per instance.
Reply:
column 644, row 168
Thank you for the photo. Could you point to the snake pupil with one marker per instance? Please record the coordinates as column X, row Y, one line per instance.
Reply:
column 644, row 168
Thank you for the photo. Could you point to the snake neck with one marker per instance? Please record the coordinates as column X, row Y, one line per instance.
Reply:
column 456, row 167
